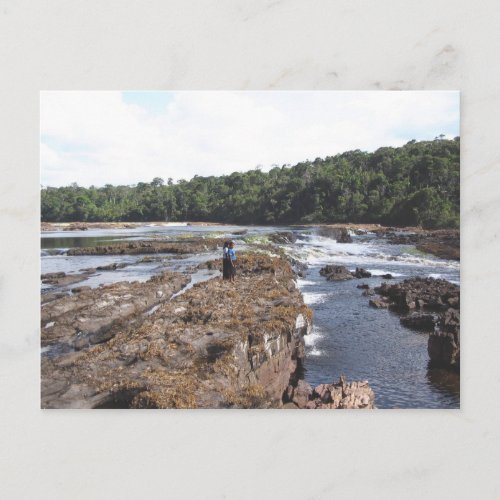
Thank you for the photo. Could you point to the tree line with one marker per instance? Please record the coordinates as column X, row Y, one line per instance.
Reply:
column 416, row 184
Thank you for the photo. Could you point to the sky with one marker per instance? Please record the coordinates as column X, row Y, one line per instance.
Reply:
column 112, row 137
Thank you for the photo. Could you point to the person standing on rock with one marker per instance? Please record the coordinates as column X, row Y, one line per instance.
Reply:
column 232, row 261
column 225, row 261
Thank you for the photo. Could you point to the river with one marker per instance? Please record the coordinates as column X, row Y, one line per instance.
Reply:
column 348, row 336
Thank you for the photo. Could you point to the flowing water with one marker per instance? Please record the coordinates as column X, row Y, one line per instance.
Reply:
column 364, row 343
column 349, row 337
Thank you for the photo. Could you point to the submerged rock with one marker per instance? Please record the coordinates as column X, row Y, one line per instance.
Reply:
column 112, row 267
column 63, row 279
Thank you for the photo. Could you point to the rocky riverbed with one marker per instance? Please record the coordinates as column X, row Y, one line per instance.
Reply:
column 217, row 345
column 140, row 318
column 431, row 305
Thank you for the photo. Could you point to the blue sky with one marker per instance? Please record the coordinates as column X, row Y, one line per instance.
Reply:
column 101, row 137
column 153, row 101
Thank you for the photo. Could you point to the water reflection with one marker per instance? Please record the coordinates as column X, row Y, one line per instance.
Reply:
column 446, row 382
column 77, row 241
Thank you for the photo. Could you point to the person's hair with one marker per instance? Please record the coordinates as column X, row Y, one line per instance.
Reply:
column 231, row 243
column 226, row 244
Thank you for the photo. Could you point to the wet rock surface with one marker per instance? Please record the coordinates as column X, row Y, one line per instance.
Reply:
column 444, row 243
column 340, row 234
column 88, row 316
column 340, row 273
column 336, row 273
column 444, row 341
column 420, row 321
column 283, row 237
column 62, row 279
column 421, row 293
column 341, row 395
column 361, row 273
column 298, row 267
column 431, row 305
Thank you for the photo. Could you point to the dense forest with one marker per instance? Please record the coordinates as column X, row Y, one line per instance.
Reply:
column 416, row 184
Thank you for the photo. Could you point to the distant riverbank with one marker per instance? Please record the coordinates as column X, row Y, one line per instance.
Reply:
column 84, row 226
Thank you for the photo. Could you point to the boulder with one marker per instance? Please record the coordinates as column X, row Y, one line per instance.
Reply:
column 301, row 394
column 420, row 321
column 112, row 267
column 283, row 237
column 335, row 273
column 340, row 234
column 444, row 342
column 361, row 273
column 344, row 236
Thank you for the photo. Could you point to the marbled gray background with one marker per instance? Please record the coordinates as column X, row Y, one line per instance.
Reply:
column 239, row 44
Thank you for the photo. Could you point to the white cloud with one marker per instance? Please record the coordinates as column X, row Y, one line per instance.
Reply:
column 98, row 138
